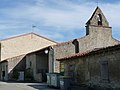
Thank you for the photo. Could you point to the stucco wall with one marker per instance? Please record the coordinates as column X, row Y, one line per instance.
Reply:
column 22, row 45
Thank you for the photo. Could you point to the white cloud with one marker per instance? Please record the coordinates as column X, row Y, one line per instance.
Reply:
column 63, row 15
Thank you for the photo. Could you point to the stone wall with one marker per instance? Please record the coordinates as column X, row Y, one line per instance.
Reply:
column 87, row 70
column 62, row 50
column 37, row 64
column 4, row 69
column 75, row 69
column 15, row 65
column 31, row 65
column 112, row 57
column 22, row 45
column 11, row 65
column 98, row 38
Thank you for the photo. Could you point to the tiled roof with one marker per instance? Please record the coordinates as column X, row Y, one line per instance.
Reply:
column 94, row 51
column 28, row 34
column 68, row 41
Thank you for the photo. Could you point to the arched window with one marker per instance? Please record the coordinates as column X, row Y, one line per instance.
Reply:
column 99, row 18
column 76, row 44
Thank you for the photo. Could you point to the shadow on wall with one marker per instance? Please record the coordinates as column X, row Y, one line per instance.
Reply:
column 19, row 65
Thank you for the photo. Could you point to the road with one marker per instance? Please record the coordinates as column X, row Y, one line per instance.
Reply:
column 24, row 86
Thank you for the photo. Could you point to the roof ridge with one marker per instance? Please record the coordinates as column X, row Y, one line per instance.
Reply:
column 25, row 35
column 69, row 41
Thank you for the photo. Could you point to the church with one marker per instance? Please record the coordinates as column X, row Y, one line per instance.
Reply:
column 92, row 60
column 95, row 61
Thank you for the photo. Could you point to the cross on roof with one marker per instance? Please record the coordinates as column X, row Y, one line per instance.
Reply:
column 97, row 2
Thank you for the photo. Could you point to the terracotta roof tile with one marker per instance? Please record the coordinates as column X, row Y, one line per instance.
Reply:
column 96, row 50
column 68, row 41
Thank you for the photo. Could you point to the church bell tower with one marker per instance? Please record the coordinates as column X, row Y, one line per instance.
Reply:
column 97, row 23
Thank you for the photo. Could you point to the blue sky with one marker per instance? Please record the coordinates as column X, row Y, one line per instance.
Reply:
column 59, row 20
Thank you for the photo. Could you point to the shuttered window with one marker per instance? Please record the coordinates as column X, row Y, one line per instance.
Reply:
column 104, row 71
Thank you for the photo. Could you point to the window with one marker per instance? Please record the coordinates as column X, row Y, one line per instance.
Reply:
column 30, row 63
column 99, row 18
column 76, row 44
column 104, row 71
column 3, row 73
column 62, row 68
column 71, row 70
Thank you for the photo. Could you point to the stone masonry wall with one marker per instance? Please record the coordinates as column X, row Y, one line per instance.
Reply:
column 87, row 70
column 98, row 38
column 62, row 50
column 22, row 45
column 113, row 58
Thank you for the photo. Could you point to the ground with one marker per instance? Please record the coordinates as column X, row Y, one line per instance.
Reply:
column 24, row 86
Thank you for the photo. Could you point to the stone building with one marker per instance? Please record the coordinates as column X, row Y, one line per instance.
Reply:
column 94, row 60
column 12, row 67
column 98, row 68
column 33, row 46
column 98, row 35
column 23, row 44
column 15, row 52
column 37, row 64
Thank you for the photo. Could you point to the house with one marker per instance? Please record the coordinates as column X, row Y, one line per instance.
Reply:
column 98, row 35
column 14, row 53
column 98, row 68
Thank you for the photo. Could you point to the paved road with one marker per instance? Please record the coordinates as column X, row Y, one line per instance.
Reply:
column 24, row 86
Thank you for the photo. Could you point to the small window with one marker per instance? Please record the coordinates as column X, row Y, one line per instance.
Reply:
column 104, row 71
column 62, row 68
column 71, row 70
column 3, row 73
column 76, row 44
column 30, row 63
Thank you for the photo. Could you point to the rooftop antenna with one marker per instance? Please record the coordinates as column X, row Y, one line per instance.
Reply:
column 33, row 30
